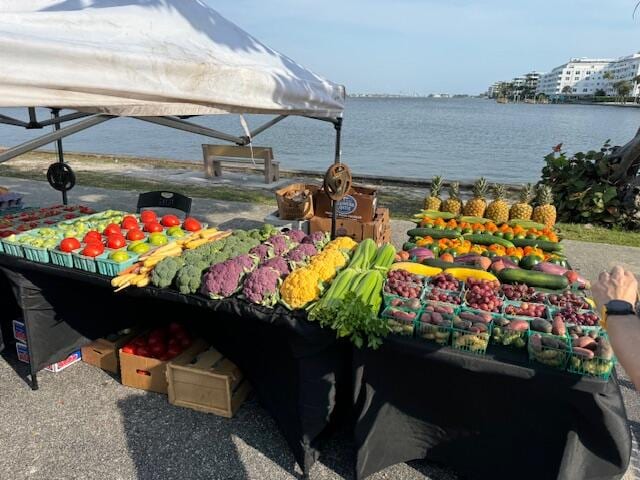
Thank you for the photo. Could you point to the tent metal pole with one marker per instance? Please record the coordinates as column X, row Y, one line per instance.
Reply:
column 12, row 121
column 55, row 114
column 53, row 136
column 63, row 118
column 336, row 160
column 33, row 121
column 267, row 125
column 178, row 124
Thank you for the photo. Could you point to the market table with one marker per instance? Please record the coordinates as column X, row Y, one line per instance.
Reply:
column 296, row 368
column 487, row 417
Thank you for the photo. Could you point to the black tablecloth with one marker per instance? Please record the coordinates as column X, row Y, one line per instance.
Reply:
column 295, row 367
column 483, row 417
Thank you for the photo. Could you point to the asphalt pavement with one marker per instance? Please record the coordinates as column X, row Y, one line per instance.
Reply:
column 83, row 423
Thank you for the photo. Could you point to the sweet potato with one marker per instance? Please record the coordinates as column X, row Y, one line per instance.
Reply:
column 558, row 327
column 402, row 315
column 541, row 325
column 584, row 342
column 583, row 353
column 518, row 325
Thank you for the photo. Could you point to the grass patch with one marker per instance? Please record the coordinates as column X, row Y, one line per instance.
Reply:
column 574, row 231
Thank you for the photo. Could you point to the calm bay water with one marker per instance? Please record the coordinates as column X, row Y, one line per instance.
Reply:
column 457, row 138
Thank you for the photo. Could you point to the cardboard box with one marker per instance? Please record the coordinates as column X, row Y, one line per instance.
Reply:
column 103, row 353
column 61, row 365
column 379, row 229
column 147, row 373
column 206, row 381
column 360, row 203
column 300, row 205
column 19, row 331
column 23, row 352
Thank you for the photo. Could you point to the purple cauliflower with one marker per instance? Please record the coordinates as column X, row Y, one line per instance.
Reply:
column 319, row 239
column 280, row 243
column 262, row 251
column 222, row 280
column 279, row 264
column 296, row 235
column 246, row 262
column 262, row 286
column 301, row 253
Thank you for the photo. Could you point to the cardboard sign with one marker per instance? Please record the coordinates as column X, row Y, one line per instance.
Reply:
column 360, row 203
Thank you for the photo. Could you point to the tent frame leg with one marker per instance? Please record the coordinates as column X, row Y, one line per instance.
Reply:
column 337, row 159
column 55, row 114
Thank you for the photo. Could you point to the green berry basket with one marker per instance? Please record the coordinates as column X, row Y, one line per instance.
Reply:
column 60, row 258
column 13, row 248
column 400, row 326
column 504, row 336
column 36, row 254
column 548, row 349
column 82, row 262
column 514, row 303
column 454, row 294
column 597, row 366
column 111, row 268
column 410, row 304
column 440, row 334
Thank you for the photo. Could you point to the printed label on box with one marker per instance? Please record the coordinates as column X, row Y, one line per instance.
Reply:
column 347, row 205
column 70, row 360
column 23, row 352
column 19, row 331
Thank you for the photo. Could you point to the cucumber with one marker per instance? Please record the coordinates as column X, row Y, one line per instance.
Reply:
column 473, row 220
column 484, row 239
column 435, row 214
column 526, row 224
column 433, row 233
column 533, row 279
column 408, row 246
column 544, row 245
column 530, row 261
column 436, row 262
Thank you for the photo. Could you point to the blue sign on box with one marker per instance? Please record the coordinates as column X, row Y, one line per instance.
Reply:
column 347, row 205
column 19, row 331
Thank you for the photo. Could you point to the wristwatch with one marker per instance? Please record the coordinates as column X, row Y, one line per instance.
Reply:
column 619, row 307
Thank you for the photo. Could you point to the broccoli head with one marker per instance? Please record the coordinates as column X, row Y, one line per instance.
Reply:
column 188, row 279
column 164, row 272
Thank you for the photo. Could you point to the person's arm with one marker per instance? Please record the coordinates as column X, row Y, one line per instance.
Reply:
column 623, row 330
column 624, row 333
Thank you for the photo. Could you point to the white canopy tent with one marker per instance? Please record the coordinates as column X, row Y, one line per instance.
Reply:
column 159, row 61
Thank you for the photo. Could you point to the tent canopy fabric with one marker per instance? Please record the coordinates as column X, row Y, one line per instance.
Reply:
column 148, row 58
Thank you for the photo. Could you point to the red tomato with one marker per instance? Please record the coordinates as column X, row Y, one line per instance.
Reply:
column 148, row 216
column 174, row 351
column 175, row 328
column 153, row 227
column 92, row 237
column 129, row 348
column 135, row 234
column 185, row 342
column 111, row 229
column 143, row 351
column 139, row 342
column 170, row 221
column 116, row 241
column 93, row 250
column 155, row 340
column 129, row 222
column 69, row 244
column 157, row 349
column 191, row 224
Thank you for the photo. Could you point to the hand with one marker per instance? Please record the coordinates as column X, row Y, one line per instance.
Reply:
column 617, row 285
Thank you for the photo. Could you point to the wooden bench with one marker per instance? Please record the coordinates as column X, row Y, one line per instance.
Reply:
column 216, row 155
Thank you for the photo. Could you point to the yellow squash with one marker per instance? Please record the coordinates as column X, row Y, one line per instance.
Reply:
column 416, row 268
column 464, row 273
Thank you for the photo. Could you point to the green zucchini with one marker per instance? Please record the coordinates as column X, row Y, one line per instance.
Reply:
column 544, row 245
column 533, row 278
column 433, row 233
column 436, row 262
column 485, row 239
column 530, row 261
column 407, row 246
column 434, row 214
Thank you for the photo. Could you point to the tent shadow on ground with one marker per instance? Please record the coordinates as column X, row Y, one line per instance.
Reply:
column 202, row 445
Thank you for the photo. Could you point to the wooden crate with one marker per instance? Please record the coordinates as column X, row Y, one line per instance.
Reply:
column 208, row 382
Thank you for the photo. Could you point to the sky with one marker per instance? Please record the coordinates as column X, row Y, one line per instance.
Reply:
column 429, row 46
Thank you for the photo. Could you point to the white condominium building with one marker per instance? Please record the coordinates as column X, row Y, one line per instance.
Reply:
column 585, row 76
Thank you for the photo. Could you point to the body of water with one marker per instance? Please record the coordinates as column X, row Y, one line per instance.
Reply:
column 456, row 138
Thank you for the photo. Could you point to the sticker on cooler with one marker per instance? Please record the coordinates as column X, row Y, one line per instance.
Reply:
column 347, row 205
column 23, row 352
column 19, row 331
column 70, row 360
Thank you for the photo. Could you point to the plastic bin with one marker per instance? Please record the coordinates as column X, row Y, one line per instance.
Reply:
column 111, row 268
column 400, row 326
column 508, row 303
column 61, row 259
column 440, row 334
column 593, row 367
column 411, row 304
column 36, row 254
column 455, row 296
column 82, row 262
column 12, row 248
column 502, row 335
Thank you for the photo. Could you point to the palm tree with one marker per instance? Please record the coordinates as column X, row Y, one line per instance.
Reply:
column 623, row 88
column 636, row 80
column 567, row 89
column 608, row 75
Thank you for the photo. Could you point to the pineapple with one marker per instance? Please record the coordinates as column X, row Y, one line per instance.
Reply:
column 433, row 201
column 453, row 204
column 498, row 209
column 545, row 212
column 477, row 205
column 522, row 210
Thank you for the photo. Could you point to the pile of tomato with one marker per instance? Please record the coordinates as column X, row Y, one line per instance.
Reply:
column 164, row 343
